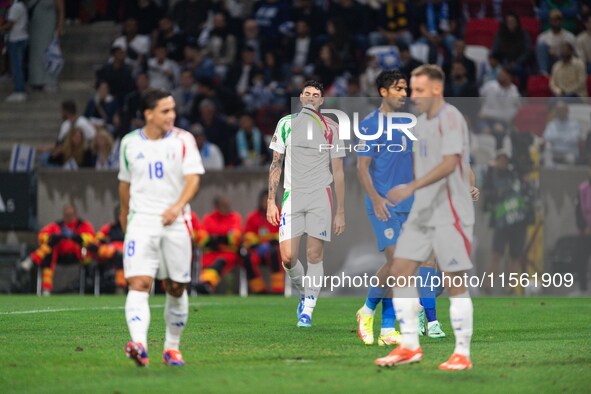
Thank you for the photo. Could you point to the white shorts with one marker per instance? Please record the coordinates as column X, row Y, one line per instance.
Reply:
column 451, row 244
column 158, row 251
column 309, row 213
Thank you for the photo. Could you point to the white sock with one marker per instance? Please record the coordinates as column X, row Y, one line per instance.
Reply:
column 461, row 313
column 176, row 312
column 368, row 311
column 296, row 273
column 137, row 313
column 407, row 306
column 315, row 276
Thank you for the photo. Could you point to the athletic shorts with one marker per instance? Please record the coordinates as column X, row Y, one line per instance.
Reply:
column 452, row 245
column 158, row 251
column 387, row 232
column 309, row 213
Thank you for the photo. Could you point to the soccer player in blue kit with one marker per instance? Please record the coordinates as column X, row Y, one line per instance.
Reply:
column 381, row 166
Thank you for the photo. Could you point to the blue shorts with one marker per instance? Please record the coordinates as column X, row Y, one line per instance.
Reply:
column 387, row 232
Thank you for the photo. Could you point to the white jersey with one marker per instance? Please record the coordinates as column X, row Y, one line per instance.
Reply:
column 156, row 169
column 447, row 201
column 307, row 161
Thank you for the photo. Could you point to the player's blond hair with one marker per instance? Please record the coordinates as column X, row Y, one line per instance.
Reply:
column 431, row 71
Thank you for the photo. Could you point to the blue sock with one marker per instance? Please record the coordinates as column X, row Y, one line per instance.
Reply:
column 427, row 293
column 374, row 296
column 388, row 314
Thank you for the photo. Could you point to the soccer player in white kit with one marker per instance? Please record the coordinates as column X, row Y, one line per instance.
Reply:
column 311, row 145
column 159, row 174
column 441, row 219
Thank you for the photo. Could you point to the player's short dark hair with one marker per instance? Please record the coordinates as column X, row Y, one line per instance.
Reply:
column 69, row 107
column 388, row 77
column 151, row 97
column 431, row 71
column 314, row 84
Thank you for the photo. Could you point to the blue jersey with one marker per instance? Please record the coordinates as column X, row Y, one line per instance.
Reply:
column 391, row 163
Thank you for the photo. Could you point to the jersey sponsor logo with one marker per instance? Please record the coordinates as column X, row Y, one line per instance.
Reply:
column 274, row 139
column 389, row 233
column 453, row 262
column 139, row 156
column 323, row 234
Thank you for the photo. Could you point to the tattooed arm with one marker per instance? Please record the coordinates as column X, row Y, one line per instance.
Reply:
column 274, row 177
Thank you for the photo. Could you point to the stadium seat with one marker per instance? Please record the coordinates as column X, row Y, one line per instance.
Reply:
column 532, row 26
column 532, row 118
column 481, row 32
column 539, row 86
column 562, row 257
column 520, row 7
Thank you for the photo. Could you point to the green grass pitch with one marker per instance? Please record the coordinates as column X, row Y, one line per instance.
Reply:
column 67, row 344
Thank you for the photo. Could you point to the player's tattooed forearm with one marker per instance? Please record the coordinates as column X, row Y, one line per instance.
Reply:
column 275, row 174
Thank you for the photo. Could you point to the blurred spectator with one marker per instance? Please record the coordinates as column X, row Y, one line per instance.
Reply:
column 163, row 72
column 568, row 8
column 71, row 119
column 458, row 85
column 301, row 50
column 240, row 76
column 583, row 218
column 211, row 155
column 109, row 252
column 167, row 36
column 271, row 15
column 251, row 39
column 105, row 155
column 16, row 25
column 117, row 74
column 368, row 77
column 136, row 46
column 131, row 116
column 328, row 66
column 561, row 137
column 259, row 95
column 407, row 62
column 341, row 40
column 217, row 130
column 261, row 246
column 101, row 109
column 219, row 236
column 584, row 45
column 505, row 200
column 393, row 24
column 73, row 153
column 191, row 15
column 183, row 96
column 272, row 69
column 146, row 12
column 250, row 145
column 315, row 17
column 491, row 69
column 550, row 41
column 569, row 75
column 512, row 46
column 220, row 44
column 354, row 18
column 438, row 26
column 500, row 100
column 460, row 56
column 63, row 241
column 202, row 66
column 46, row 21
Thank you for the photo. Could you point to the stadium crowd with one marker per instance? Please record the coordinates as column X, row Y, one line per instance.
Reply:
column 233, row 66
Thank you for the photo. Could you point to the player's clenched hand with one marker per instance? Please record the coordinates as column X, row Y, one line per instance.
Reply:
column 475, row 193
column 380, row 208
column 170, row 215
column 399, row 193
column 272, row 213
column 339, row 223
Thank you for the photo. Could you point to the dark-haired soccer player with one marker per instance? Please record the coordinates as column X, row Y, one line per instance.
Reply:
column 159, row 174
column 384, row 164
column 307, row 202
